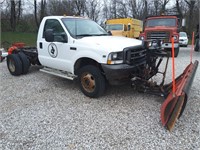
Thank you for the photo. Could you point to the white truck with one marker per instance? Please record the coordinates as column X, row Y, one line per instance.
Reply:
column 75, row 47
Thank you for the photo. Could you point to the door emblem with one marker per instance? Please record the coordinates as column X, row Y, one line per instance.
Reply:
column 53, row 51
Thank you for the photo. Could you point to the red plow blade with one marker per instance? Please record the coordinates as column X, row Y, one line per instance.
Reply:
column 174, row 105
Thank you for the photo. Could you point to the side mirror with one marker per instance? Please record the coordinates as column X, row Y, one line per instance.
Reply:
column 109, row 32
column 65, row 38
column 183, row 22
column 48, row 35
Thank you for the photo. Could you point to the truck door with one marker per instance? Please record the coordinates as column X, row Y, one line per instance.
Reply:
column 55, row 54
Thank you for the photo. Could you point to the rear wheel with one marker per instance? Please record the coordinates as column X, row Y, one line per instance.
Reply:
column 92, row 82
column 176, row 52
column 25, row 62
column 14, row 64
column 196, row 48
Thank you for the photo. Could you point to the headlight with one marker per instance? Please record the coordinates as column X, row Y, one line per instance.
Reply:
column 175, row 37
column 115, row 58
column 142, row 38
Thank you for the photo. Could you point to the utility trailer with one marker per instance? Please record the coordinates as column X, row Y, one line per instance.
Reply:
column 64, row 50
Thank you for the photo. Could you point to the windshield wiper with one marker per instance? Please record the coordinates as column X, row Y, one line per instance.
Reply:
column 92, row 34
column 85, row 35
column 101, row 34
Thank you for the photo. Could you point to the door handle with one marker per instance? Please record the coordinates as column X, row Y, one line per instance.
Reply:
column 72, row 48
column 40, row 45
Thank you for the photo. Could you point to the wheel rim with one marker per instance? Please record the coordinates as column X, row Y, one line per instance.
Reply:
column 11, row 65
column 88, row 82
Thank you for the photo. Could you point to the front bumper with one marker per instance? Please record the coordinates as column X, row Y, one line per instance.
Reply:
column 133, row 58
column 118, row 74
column 169, row 45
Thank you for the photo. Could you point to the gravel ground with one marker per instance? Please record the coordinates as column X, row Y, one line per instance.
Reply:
column 44, row 112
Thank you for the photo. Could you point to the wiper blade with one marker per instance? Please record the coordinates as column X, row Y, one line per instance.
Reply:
column 85, row 35
column 92, row 34
column 100, row 34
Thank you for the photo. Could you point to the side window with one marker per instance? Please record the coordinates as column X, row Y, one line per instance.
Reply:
column 58, row 30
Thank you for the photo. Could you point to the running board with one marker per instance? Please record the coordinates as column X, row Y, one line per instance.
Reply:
column 58, row 73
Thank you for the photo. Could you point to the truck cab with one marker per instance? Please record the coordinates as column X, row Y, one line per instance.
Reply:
column 162, row 28
column 78, row 47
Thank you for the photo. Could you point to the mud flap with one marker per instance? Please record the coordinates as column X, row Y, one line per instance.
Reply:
column 174, row 105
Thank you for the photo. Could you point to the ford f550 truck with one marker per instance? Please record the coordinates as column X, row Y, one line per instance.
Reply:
column 76, row 47
column 162, row 28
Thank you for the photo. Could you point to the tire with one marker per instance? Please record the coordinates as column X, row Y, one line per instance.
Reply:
column 176, row 51
column 14, row 64
column 25, row 62
column 1, row 58
column 196, row 48
column 91, row 81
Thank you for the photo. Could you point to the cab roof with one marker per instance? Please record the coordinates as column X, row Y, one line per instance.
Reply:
column 61, row 17
column 163, row 16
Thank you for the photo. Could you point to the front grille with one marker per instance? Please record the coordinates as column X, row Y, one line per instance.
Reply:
column 135, row 55
column 158, row 35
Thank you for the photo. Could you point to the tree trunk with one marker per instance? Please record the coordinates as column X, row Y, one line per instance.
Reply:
column 13, row 16
column 43, row 7
column 35, row 13
column 179, row 9
column 163, row 9
column 191, row 5
column 145, row 9
column 156, row 5
column 19, row 10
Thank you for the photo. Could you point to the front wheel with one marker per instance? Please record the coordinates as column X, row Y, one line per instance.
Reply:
column 176, row 51
column 91, row 81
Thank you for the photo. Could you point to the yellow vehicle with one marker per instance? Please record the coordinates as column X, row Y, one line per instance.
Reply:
column 127, row 27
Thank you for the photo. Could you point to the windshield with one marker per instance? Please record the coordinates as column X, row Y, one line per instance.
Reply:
column 171, row 22
column 78, row 27
column 183, row 34
column 114, row 27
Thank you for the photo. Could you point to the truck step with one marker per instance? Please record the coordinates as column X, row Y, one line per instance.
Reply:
column 58, row 73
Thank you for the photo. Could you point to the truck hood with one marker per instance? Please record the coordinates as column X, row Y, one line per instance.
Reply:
column 110, row 43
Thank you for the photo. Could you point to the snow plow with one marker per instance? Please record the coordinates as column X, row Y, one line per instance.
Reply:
column 175, row 93
column 174, row 105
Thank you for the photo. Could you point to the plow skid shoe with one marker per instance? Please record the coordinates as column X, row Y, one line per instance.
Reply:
column 174, row 105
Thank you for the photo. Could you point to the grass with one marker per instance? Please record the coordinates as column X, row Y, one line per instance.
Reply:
column 7, row 38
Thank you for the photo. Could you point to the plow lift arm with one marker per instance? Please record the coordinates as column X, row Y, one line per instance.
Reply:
column 175, row 93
